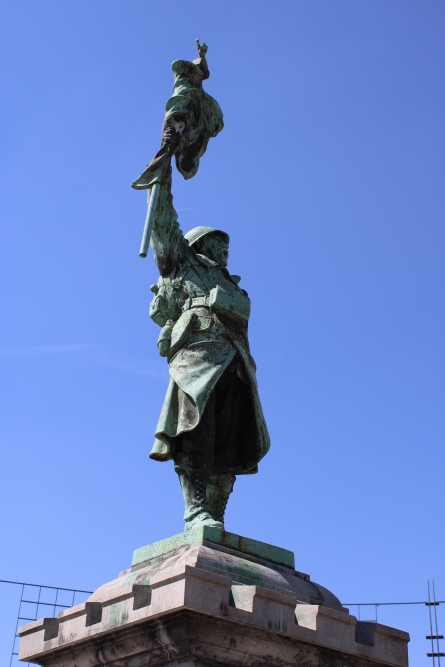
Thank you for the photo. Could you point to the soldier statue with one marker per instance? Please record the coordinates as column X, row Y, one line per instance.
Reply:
column 211, row 423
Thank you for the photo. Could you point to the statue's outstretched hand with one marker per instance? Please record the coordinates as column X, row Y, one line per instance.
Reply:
column 170, row 136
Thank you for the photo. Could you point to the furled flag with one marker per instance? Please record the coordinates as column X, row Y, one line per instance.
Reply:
column 194, row 116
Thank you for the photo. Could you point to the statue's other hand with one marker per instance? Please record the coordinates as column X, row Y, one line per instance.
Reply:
column 163, row 347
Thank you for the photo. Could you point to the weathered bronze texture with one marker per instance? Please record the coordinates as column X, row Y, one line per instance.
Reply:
column 211, row 423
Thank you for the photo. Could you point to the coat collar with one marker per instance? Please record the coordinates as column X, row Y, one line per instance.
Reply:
column 206, row 261
column 210, row 264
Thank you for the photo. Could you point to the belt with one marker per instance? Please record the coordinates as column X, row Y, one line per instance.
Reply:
column 204, row 301
column 196, row 302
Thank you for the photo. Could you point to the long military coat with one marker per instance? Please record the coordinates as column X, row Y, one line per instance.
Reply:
column 201, row 341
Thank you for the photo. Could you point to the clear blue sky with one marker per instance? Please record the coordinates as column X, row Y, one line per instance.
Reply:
column 329, row 177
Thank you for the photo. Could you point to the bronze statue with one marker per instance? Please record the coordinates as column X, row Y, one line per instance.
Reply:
column 211, row 423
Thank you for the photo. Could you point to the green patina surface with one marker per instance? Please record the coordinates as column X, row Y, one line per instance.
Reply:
column 211, row 423
column 118, row 615
column 248, row 573
column 217, row 536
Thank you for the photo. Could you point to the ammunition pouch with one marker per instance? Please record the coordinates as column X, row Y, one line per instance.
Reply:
column 164, row 339
column 233, row 304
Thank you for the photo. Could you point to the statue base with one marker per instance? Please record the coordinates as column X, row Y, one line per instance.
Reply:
column 209, row 597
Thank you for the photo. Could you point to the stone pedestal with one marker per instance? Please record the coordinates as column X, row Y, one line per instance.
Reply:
column 208, row 598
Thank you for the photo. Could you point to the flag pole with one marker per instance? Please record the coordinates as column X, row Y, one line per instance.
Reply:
column 152, row 200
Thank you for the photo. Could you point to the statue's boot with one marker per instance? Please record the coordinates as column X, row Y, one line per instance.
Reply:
column 197, row 510
column 219, row 488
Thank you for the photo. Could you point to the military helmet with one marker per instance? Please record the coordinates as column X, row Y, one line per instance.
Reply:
column 198, row 232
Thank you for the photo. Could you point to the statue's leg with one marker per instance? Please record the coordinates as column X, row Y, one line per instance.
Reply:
column 197, row 509
column 219, row 488
column 231, row 404
column 193, row 463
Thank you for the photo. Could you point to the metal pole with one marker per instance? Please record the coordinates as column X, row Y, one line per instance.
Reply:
column 152, row 200
column 435, row 623
column 17, row 625
column 431, row 624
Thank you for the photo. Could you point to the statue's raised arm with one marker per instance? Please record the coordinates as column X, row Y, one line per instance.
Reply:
column 166, row 239
column 195, row 117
